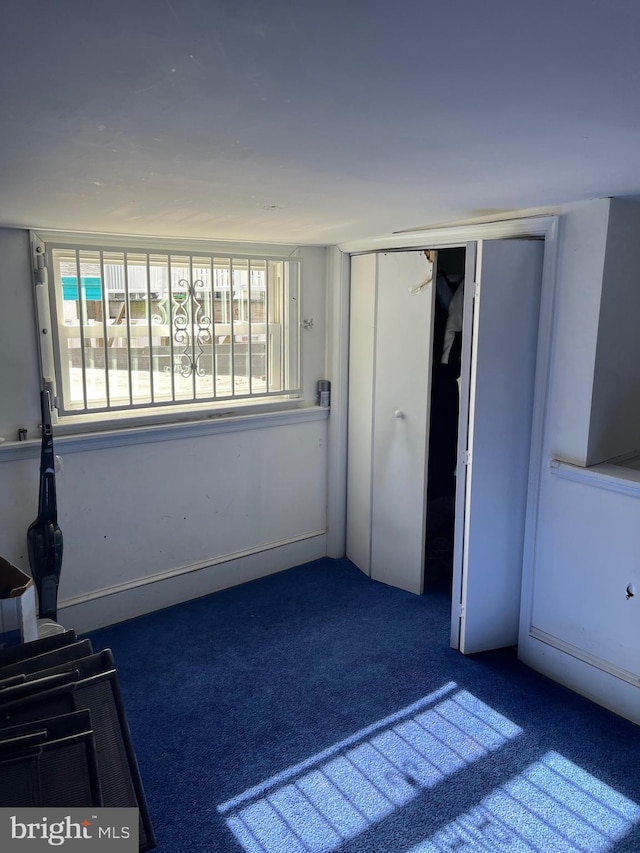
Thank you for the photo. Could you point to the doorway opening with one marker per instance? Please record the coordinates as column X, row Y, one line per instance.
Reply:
column 444, row 413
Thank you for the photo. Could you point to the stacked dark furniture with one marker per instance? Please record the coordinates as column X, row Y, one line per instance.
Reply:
column 64, row 736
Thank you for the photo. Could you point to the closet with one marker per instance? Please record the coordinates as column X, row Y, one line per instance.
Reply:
column 394, row 434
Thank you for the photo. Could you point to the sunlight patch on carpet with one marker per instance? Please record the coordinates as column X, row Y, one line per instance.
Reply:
column 553, row 806
column 332, row 797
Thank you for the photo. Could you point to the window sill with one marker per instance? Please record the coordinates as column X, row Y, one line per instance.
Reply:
column 85, row 424
column 130, row 433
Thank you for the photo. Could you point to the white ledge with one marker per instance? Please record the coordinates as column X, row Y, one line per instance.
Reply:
column 147, row 433
column 606, row 475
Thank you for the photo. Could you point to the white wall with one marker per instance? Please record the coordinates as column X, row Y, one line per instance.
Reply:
column 594, row 401
column 577, row 624
column 19, row 371
column 614, row 428
column 580, row 263
column 150, row 517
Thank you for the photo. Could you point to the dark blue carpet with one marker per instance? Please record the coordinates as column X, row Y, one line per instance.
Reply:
column 317, row 710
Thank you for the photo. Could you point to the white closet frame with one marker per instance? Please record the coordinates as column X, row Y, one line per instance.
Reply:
column 545, row 227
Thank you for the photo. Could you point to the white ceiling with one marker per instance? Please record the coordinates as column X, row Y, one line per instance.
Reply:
column 290, row 121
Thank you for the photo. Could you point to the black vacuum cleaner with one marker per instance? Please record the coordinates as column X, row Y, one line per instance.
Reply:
column 44, row 537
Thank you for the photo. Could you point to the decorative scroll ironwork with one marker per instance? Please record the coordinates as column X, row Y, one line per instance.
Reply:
column 191, row 326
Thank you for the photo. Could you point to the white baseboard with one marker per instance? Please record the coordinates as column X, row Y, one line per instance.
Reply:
column 115, row 604
column 614, row 693
column 582, row 654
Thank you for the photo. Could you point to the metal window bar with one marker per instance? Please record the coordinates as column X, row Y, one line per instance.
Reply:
column 267, row 327
column 166, row 320
column 214, row 371
column 249, row 335
column 191, row 301
column 212, row 318
column 239, row 345
column 127, row 312
column 225, row 311
column 224, row 317
column 152, row 395
column 287, row 316
column 283, row 315
column 105, row 340
column 216, row 288
column 81, row 322
column 293, row 324
column 170, row 304
column 287, row 319
column 232, row 342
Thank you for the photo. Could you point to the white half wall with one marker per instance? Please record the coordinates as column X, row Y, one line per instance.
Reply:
column 586, row 561
column 160, row 520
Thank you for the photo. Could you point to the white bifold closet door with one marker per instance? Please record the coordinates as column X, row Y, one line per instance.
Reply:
column 389, row 378
column 500, row 334
column 401, row 419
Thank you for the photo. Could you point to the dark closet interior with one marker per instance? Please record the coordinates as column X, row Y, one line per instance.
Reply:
column 443, row 431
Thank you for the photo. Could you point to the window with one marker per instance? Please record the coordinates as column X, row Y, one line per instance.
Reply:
column 135, row 328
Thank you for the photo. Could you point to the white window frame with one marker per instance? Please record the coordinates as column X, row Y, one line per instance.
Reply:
column 281, row 331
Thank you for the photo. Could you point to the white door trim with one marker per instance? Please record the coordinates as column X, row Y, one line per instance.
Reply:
column 441, row 238
column 337, row 371
column 459, row 556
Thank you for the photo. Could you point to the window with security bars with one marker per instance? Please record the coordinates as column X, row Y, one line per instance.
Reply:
column 134, row 329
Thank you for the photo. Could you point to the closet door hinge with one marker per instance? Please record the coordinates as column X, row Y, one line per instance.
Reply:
column 461, row 610
column 476, row 289
column 39, row 261
column 466, row 457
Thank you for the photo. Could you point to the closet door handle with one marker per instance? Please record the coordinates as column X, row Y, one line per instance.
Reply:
column 399, row 414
